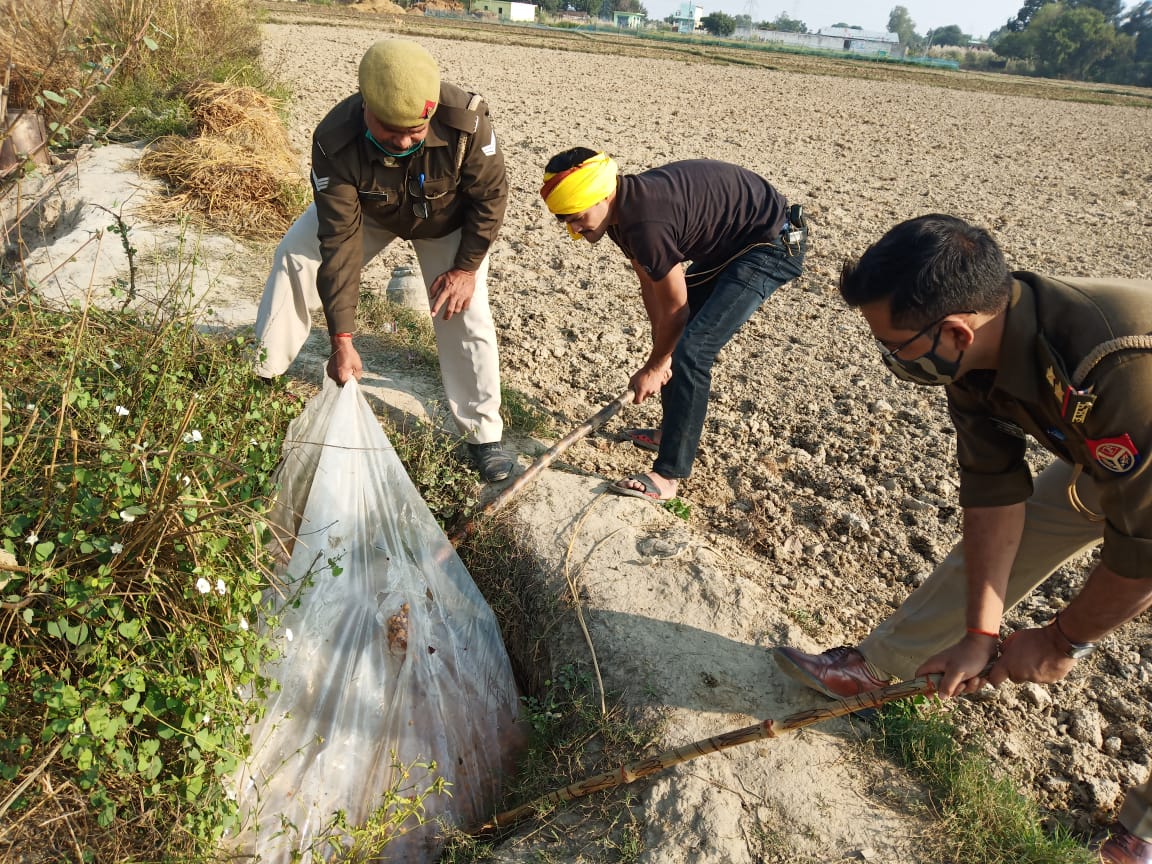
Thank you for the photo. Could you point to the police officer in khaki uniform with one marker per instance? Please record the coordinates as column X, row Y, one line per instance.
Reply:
column 411, row 157
column 1065, row 361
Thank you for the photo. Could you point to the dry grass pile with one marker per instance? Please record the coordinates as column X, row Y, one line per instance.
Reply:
column 238, row 175
column 105, row 59
column 379, row 7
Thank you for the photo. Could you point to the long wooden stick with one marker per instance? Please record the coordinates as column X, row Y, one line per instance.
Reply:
column 634, row 771
column 592, row 423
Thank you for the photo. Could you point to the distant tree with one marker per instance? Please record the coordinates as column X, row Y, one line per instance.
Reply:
column 785, row 24
column 847, row 26
column 950, row 35
column 1137, row 24
column 1075, row 43
column 719, row 24
column 1110, row 9
column 901, row 23
column 743, row 21
column 1014, row 44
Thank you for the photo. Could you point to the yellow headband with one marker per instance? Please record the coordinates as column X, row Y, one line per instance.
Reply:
column 581, row 186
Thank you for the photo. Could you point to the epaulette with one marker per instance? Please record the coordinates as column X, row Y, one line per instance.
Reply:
column 340, row 126
column 460, row 119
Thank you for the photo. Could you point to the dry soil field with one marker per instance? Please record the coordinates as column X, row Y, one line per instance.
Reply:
column 813, row 457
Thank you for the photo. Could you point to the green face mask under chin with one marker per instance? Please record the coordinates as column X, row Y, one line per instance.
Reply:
column 387, row 152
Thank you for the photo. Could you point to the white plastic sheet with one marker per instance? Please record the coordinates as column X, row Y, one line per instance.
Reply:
column 396, row 659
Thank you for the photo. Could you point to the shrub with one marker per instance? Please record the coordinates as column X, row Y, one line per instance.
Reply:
column 134, row 465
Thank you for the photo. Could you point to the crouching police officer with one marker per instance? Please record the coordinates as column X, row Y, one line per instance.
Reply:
column 411, row 157
column 1067, row 362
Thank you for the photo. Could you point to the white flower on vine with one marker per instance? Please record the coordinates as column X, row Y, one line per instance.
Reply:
column 193, row 437
column 221, row 588
column 127, row 517
column 122, row 411
column 116, row 548
column 243, row 623
column 32, row 539
column 203, row 585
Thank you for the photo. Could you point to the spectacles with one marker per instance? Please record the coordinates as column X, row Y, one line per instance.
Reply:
column 892, row 352
column 420, row 209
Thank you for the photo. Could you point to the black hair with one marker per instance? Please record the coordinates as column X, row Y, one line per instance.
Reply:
column 929, row 267
column 568, row 159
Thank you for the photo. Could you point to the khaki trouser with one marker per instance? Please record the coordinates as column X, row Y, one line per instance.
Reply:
column 933, row 616
column 469, row 361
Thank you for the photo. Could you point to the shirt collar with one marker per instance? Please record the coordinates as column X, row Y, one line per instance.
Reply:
column 436, row 134
column 1019, row 344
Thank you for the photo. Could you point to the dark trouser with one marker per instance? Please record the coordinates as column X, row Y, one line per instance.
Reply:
column 717, row 309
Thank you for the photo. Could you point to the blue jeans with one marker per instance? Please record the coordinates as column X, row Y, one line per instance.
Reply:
column 717, row 309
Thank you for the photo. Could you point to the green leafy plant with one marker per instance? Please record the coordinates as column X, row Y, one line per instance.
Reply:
column 401, row 810
column 134, row 467
column 679, row 508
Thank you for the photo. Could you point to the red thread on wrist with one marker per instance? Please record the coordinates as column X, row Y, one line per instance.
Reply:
column 343, row 335
column 988, row 633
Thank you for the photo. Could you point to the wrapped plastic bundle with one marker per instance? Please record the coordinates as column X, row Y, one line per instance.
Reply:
column 392, row 659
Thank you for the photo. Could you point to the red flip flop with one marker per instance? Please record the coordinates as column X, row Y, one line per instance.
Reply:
column 645, row 439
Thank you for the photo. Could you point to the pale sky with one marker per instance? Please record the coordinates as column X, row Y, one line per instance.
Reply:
column 975, row 17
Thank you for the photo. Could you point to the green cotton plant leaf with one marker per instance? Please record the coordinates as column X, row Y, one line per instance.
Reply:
column 43, row 550
column 54, row 97
column 150, row 44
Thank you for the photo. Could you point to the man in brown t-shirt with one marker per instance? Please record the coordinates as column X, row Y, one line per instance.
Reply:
column 1067, row 362
column 733, row 227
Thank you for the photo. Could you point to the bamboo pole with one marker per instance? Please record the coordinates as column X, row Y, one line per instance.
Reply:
column 634, row 771
column 591, row 424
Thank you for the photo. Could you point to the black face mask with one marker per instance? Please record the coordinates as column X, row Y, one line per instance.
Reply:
column 929, row 369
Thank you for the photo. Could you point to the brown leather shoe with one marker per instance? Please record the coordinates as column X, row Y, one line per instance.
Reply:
column 838, row 672
column 1124, row 847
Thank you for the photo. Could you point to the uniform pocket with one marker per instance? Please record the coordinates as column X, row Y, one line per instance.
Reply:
column 380, row 202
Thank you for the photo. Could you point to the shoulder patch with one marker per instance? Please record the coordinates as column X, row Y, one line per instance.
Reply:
column 319, row 183
column 489, row 149
column 1117, row 454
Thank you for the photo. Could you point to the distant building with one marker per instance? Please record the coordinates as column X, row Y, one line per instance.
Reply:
column 864, row 41
column 505, row 10
column 575, row 17
column 688, row 17
column 868, row 42
column 629, row 20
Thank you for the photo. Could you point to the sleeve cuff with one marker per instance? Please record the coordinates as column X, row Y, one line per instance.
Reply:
column 1130, row 557
column 995, row 490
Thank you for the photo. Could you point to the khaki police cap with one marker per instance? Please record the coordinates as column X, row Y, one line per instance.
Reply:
column 400, row 82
